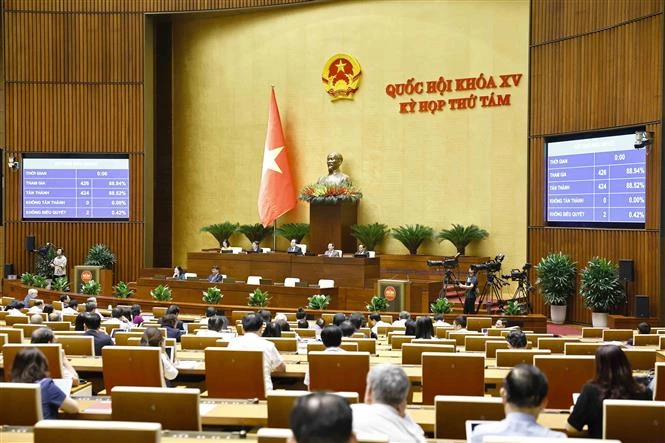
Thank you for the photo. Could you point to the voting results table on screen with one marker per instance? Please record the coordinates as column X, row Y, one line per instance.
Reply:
column 596, row 180
column 75, row 188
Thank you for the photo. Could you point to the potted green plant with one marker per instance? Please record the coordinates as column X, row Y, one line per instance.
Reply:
column 258, row 298
column 460, row 236
column 212, row 296
column 39, row 281
column 100, row 255
column 556, row 280
column 601, row 289
column 370, row 235
column 318, row 301
column 256, row 232
column 27, row 278
column 412, row 236
column 512, row 308
column 90, row 288
column 122, row 290
column 377, row 304
column 43, row 260
column 161, row 293
column 290, row 231
column 60, row 284
column 221, row 231
column 441, row 306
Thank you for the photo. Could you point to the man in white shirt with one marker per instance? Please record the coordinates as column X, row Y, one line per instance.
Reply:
column 459, row 324
column 375, row 321
column 253, row 326
column 331, row 336
column 403, row 317
column 524, row 395
column 71, row 307
column 384, row 410
column 37, row 308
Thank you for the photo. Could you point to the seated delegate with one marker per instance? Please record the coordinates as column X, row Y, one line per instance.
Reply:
column 331, row 251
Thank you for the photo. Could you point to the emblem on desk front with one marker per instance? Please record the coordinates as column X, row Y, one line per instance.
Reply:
column 341, row 77
column 389, row 293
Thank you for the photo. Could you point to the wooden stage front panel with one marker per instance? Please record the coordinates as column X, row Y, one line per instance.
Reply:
column 191, row 291
column 348, row 272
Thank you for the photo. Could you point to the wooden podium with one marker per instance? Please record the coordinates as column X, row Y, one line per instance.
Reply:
column 331, row 222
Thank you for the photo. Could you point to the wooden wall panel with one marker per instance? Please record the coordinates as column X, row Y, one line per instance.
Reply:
column 582, row 244
column 142, row 5
column 597, row 65
column 74, row 117
column 556, row 19
column 599, row 80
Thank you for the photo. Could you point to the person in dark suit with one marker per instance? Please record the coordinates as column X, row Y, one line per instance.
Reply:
column 331, row 251
column 215, row 276
column 255, row 248
column 294, row 248
column 169, row 322
column 91, row 321
column 362, row 251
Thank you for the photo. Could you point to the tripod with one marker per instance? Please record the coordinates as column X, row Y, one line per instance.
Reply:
column 522, row 295
column 449, row 279
column 492, row 287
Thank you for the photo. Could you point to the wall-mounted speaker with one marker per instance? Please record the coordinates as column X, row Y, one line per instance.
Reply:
column 641, row 305
column 30, row 243
column 626, row 270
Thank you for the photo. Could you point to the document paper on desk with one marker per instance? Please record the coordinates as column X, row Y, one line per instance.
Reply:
column 205, row 408
column 64, row 384
column 100, row 407
column 187, row 364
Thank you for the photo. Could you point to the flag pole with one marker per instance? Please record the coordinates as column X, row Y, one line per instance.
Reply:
column 274, row 235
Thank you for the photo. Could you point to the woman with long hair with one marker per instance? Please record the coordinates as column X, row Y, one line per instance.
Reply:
column 154, row 338
column 424, row 327
column 613, row 380
column 30, row 366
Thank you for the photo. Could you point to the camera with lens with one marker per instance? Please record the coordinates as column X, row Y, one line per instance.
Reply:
column 448, row 263
column 519, row 275
column 493, row 265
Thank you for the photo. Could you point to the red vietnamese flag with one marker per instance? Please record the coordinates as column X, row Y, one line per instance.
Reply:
column 276, row 193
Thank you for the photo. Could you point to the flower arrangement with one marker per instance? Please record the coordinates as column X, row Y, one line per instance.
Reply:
column 377, row 304
column 318, row 301
column 258, row 298
column 319, row 193
column 212, row 296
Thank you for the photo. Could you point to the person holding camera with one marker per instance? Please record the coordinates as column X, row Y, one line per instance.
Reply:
column 471, row 288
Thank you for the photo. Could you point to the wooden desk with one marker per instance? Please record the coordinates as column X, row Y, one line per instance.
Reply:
column 349, row 272
column 14, row 434
column 190, row 291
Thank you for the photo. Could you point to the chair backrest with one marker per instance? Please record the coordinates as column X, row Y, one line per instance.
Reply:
column 28, row 329
column 12, row 320
column 6, row 300
column 52, row 352
column 326, row 283
column 242, row 373
column 21, row 404
column 338, row 371
column 641, row 359
column 284, row 344
column 238, row 315
column 58, row 325
column 132, row 366
column 398, row 340
column 492, row 346
column 303, row 247
column 555, row 344
column 452, row 374
column 290, row 282
column 71, row 318
column 318, row 346
column 581, row 348
column 386, row 330
column 452, row 412
column 159, row 311
column 634, row 421
column 478, row 323
column 121, row 338
column 494, row 332
column 281, row 402
column 477, row 342
column 592, row 332
column 77, row 344
column 328, row 318
column 646, row 339
column 197, row 342
column 14, row 335
column 79, row 431
column 659, row 389
column 221, row 343
column 4, row 339
column 617, row 334
column 305, row 332
column 533, row 338
column 460, row 336
column 507, row 358
column 254, row 280
column 288, row 334
column 191, row 328
column 364, row 344
column 412, row 352
column 566, row 374
column 175, row 409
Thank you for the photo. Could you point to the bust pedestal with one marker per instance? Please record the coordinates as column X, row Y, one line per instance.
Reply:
column 332, row 223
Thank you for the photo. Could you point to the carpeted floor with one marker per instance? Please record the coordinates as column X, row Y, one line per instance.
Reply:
column 564, row 329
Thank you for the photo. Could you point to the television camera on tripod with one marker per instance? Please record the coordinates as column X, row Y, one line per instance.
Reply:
column 522, row 294
column 449, row 264
column 494, row 282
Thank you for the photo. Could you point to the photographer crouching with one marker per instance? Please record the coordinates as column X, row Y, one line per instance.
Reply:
column 471, row 288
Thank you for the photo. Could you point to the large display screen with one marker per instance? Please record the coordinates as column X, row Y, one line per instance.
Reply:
column 596, row 181
column 75, row 187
